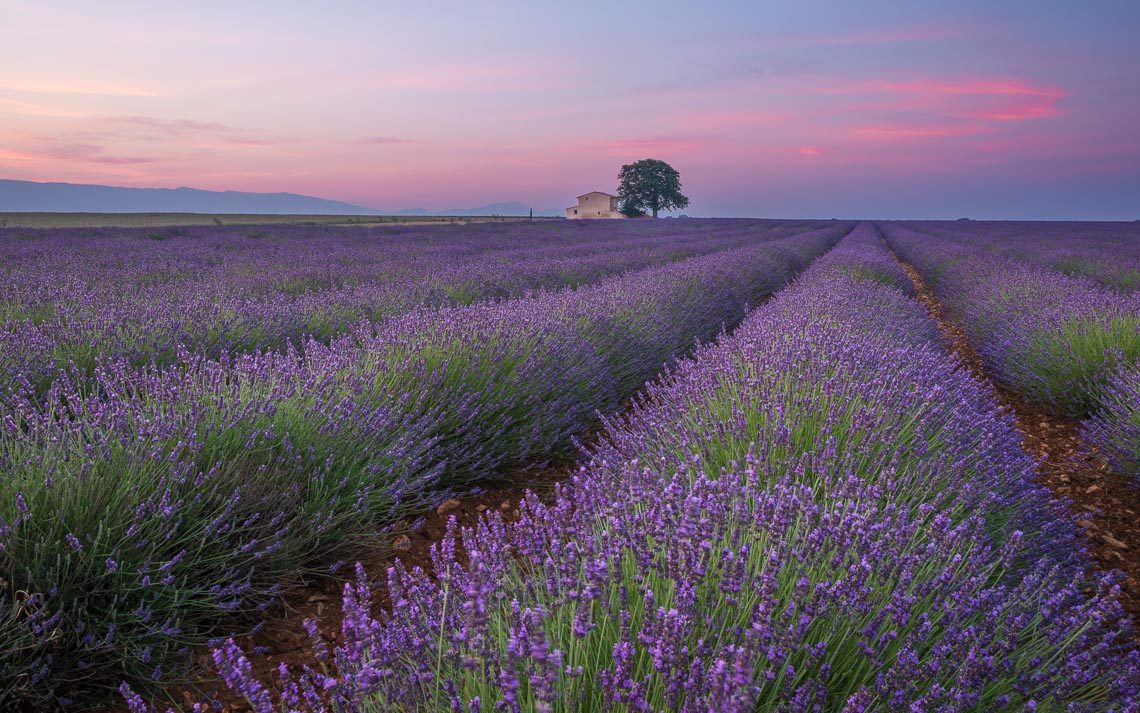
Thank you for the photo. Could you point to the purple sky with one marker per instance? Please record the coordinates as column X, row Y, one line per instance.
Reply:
column 881, row 109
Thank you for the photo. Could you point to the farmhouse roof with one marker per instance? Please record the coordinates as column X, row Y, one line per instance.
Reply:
column 600, row 193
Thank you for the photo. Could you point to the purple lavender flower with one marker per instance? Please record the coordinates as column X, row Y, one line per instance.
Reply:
column 226, row 411
column 821, row 508
column 1115, row 428
column 1052, row 336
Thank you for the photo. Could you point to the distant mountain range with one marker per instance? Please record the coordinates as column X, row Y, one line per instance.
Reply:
column 34, row 197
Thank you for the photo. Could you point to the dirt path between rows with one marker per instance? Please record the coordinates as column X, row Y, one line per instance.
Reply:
column 1104, row 502
column 283, row 638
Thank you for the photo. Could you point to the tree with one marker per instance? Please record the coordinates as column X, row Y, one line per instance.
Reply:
column 649, row 186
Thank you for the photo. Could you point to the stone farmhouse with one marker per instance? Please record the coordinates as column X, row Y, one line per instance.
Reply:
column 595, row 204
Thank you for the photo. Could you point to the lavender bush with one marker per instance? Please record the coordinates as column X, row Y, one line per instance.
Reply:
column 820, row 512
column 146, row 507
column 1115, row 429
column 1053, row 337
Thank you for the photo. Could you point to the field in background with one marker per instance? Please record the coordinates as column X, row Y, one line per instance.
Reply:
column 152, row 220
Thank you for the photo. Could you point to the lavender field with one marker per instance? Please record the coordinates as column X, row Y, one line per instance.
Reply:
column 790, row 492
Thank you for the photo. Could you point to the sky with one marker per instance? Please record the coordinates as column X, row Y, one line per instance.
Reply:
column 812, row 108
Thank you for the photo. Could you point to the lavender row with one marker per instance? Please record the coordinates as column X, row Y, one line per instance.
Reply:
column 141, row 507
column 1065, row 340
column 1053, row 337
column 1108, row 253
column 75, row 297
column 821, row 512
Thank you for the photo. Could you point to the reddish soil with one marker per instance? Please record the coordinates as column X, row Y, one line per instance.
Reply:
column 1105, row 502
column 283, row 639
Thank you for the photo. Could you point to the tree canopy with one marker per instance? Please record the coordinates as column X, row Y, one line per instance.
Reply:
column 649, row 186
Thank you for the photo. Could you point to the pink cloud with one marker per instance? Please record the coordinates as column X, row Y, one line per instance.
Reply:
column 1016, row 111
column 50, row 86
column 969, row 98
column 175, row 127
column 9, row 155
column 124, row 140
column 649, row 144
column 244, row 141
column 961, row 87
column 465, row 77
column 38, row 110
column 184, row 132
column 380, row 140
column 919, row 131
column 731, row 118
column 87, row 153
column 71, row 152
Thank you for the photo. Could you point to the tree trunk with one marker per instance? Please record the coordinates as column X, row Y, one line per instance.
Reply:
column 654, row 212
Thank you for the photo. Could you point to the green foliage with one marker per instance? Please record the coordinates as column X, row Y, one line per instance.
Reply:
column 872, row 273
column 1102, row 270
column 463, row 293
column 1072, row 362
column 1127, row 280
column 649, row 186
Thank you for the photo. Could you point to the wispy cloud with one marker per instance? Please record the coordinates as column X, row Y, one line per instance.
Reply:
column 967, row 98
column 464, row 77
column 176, row 127
column 127, row 132
column 648, row 144
column 10, row 155
column 859, row 38
column 731, row 118
column 380, row 140
column 73, row 152
column 72, row 87
column 919, row 131
column 182, row 131
column 40, row 110
column 960, row 87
